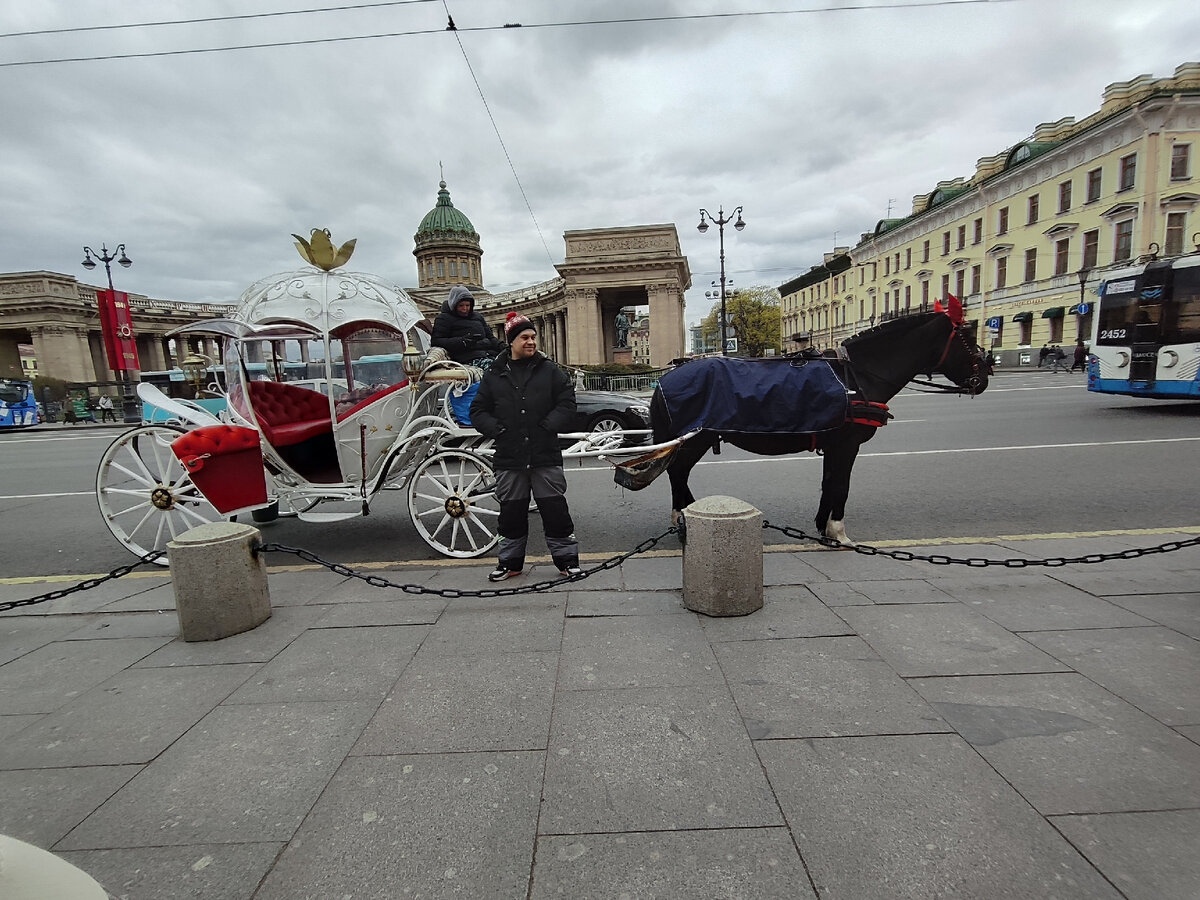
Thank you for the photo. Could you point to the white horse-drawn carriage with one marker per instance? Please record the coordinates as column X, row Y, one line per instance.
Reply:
column 384, row 421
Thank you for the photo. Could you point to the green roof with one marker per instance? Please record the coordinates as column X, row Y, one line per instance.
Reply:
column 444, row 217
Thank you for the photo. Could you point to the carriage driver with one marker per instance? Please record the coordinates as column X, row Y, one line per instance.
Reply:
column 524, row 400
column 462, row 332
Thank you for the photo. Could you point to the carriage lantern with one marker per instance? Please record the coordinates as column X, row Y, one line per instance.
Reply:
column 195, row 367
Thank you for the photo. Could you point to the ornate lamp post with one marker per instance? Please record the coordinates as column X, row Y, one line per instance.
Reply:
column 1083, row 277
column 129, row 408
column 721, row 221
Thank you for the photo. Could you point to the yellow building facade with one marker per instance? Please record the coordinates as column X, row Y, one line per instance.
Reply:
column 1026, row 240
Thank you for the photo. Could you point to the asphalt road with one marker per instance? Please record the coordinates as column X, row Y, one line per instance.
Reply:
column 1035, row 454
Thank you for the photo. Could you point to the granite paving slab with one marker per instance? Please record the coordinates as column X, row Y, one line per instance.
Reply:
column 520, row 623
column 23, row 634
column 651, row 759
column 10, row 725
column 355, row 590
column 1036, row 603
column 257, row 645
column 635, row 651
column 130, row 718
column 899, row 816
column 1192, row 732
column 296, row 588
column 788, row 568
column 788, row 611
column 197, row 872
column 908, row 590
column 721, row 864
column 847, row 565
column 944, row 639
column 1067, row 744
column 1155, row 669
column 587, row 604
column 500, row 701
column 41, row 805
column 359, row 664
column 447, row 825
column 1148, row 855
column 82, row 601
column 105, row 626
column 244, row 773
column 159, row 598
column 382, row 612
column 1178, row 611
column 1118, row 581
column 836, row 593
column 55, row 674
column 653, row 573
column 820, row 687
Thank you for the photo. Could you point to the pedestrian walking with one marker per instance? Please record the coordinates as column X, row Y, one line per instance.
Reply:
column 106, row 409
column 1079, row 361
column 524, row 401
column 1042, row 354
column 1058, row 359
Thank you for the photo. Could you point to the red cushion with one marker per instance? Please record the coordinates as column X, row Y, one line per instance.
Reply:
column 214, row 440
column 287, row 414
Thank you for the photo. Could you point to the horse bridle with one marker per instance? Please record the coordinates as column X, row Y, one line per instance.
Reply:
column 973, row 382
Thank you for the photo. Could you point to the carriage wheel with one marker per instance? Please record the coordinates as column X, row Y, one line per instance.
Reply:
column 145, row 494
column 452, row 502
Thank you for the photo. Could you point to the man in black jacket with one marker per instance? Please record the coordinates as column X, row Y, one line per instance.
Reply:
column 461, row 331
column 524, row 401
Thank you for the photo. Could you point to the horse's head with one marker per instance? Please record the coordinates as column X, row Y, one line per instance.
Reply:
column 962, row 360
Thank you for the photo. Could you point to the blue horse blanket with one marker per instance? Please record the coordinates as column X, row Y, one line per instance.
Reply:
column 754, row 396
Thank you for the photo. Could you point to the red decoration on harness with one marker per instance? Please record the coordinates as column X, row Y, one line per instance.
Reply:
column 867, row 412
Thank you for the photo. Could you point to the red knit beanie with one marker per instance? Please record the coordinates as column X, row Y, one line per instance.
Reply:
column 514, row 324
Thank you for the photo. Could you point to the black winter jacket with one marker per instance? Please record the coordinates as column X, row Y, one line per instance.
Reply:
column 524, row 421
column 465, row 338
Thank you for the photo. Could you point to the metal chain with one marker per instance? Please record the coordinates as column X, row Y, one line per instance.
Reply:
column 87, row 585
column 979, row 562
column 453, row 593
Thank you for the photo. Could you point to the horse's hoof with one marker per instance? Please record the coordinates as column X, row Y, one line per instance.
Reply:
column 676, row 516
column 836, row 531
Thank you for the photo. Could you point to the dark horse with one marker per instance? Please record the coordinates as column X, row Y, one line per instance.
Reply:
column 873, row 365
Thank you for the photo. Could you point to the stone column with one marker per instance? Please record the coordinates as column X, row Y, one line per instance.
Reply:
column 585, row 336
column 60, row 352
column 666, row 323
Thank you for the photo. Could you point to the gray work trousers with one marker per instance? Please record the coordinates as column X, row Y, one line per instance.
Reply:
column 548, row 485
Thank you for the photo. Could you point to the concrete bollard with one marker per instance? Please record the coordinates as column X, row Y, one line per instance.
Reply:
column 723, row 557
column 31, row 873
column 220, row 582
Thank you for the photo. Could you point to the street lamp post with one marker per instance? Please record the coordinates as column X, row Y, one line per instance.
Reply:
column 721, row 222
column 1083, row 277
column 129, row 410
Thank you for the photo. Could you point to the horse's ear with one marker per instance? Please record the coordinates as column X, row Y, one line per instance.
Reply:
column 956, row 310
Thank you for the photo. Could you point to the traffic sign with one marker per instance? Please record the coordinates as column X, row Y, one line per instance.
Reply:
column 731, row 345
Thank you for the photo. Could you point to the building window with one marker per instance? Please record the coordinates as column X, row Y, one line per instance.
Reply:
column 976, row 275
column 1180, row 157
column 897, row 260
column 960, row 278
column 1094, row 181
column 908, row 296
column 924, row 293
column 1034, row 203
column 946, row 244
column 908, row 257
column 925, row 252
column 1091, row 248
column 1123, row 246
column 960, row 240
column 1002, row 221
column 1031, row 264
column 1176, row 223
column 978, row 236
column 887, row 265
column 1056, row 330
column 1061, row 252
column 1064, row 196
column 945, row 285
column 1128, row 172
column 1002, row 272
column 441, row 268
column 454, row 268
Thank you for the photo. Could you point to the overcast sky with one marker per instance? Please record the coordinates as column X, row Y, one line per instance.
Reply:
column 812, row 118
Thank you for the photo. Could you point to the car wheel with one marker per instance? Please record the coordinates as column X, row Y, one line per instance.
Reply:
column 606, row 422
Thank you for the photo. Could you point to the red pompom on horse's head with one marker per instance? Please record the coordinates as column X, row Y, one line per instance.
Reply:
column 955, row 312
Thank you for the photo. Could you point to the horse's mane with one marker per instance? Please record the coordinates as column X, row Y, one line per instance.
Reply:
column 893, row 327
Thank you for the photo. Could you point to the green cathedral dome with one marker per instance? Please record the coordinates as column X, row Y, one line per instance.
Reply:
column 444, row 217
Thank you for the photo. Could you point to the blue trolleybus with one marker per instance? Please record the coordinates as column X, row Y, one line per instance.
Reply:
column 1146, row 331
column 18, row 408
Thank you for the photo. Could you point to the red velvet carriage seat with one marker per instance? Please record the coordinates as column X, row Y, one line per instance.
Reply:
column 225, row 462
column 287, row 414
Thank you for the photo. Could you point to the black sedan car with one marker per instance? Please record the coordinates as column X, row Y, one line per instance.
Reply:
column 608, row 411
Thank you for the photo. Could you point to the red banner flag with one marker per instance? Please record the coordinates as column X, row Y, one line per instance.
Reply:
column 116, row 323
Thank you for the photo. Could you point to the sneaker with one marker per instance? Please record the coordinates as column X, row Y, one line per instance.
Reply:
column 500, row 573
column 570, row 571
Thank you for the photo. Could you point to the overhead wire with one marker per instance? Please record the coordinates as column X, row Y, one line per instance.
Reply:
column 629, row 20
